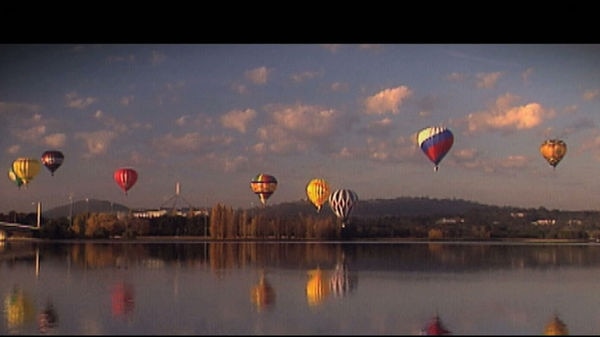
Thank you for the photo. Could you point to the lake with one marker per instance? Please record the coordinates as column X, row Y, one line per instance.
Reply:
column 290, row 288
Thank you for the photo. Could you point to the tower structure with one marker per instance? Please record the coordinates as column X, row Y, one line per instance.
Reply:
column 177, row 204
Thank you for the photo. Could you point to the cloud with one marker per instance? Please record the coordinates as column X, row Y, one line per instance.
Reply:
column 504, row 115
column 97, row 142
column 76, row 102
column 487, row 80
column 526, row 75
column 238, row 119
column 591, row 94
column 258, row 75
column 301, row 77
column 126, row 100
column 55, row 140
column 388, row 100
column 339, row 87
column 13, row 149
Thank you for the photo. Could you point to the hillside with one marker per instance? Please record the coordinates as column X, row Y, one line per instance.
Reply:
column 403, row 206
column 83, row 206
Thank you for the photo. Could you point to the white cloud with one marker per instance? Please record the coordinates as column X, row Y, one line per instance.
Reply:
column 487, row 80
column 238, row 119
column 97, row 142
column 388, row 100
column 258, row 75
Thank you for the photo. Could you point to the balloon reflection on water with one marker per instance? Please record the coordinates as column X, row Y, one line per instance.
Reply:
column 122, row 299
column 48, row 318
column 18, row 308
column 556, row 327
column 317, row 287
column 262, row 294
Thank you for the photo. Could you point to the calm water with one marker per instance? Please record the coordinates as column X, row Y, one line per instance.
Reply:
column 297, row 288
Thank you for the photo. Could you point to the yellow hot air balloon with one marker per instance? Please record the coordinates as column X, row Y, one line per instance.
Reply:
column 317, row 191
column 317, row 287
column 26, row 169
column 553, row 150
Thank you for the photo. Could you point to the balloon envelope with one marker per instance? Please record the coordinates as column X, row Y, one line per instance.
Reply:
column 125, row 177
column 553, row 150
column 13, row 177
column 26, row 169
column 435, row 142
column 317, row 191
column 263, row 185
column 342, row 202
column 52, row 159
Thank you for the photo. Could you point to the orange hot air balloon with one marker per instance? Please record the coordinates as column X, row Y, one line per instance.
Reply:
column 125, row 177
column 553, row 150
column 263, row 185
column 317, row 191
column 26, row 169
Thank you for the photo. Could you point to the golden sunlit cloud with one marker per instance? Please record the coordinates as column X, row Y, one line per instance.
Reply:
column 388, row 100
column 505, row 116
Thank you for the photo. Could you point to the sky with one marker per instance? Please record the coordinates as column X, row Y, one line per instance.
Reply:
column 212, row 116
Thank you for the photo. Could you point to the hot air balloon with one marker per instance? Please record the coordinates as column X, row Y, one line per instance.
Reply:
column 435, row 142
column 341, row 202
column 125, row 177
column 553, row 150
column 13, row 177
column 263, row 185
column 26, row 169
column 52, row 159
column 317, row 191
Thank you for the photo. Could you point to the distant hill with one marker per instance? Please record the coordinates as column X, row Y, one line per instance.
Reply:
column 83, row 206
column 402, row 206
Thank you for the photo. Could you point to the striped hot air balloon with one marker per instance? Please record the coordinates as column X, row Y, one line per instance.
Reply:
column 317, row 191
column 26, row 169
column 263, row 185
column 342, row 202
column 435, row 142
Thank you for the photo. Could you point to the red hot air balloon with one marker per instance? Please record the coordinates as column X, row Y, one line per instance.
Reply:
column 52, row 160
column 125, row 177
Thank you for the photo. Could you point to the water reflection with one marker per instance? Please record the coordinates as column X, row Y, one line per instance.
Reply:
column 435, row 327
column 18, row 309
column 298, row 288
column 556, row 327
column 122, row 299
column 48, row 318
column 262, row 294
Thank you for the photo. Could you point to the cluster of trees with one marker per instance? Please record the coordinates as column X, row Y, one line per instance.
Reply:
column 225, row 223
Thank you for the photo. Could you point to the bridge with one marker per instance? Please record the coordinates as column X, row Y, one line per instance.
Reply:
column 8, row 229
